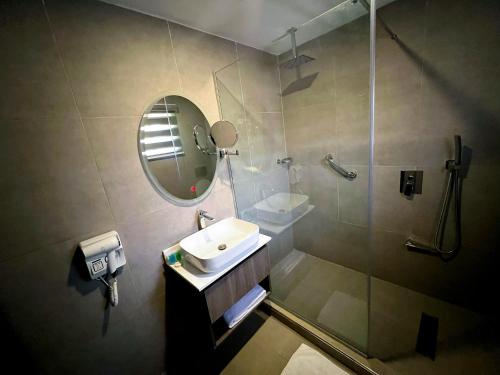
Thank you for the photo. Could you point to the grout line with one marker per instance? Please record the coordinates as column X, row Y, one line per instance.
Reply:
column 221, row 117
column 269, row 112
column 245, row 122
column 420, row 105
column 139, row 217
column 173, row 55
column 227, row 65
column 66, row 75
column 71, row 238
column 360, row 226
column 136, row 10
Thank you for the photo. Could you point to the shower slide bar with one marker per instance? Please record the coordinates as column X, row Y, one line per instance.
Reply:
column 337, row 168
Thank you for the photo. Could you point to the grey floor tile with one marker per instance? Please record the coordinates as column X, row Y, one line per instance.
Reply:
column 268, row 351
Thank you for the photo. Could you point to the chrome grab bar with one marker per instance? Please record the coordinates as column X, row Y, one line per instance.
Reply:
column 337, row 168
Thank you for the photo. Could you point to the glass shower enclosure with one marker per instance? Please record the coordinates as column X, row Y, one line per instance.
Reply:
column 333, row 117
column 303, row 117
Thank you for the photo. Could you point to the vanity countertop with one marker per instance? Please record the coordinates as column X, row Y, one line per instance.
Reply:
column 201, row 280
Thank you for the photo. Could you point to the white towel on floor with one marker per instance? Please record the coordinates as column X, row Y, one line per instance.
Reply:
column 241, row 308
column 308, row 361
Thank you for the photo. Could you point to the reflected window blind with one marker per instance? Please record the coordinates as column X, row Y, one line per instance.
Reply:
column 161, row 138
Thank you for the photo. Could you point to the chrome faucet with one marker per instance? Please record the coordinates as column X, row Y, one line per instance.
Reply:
column 202, row 215
column 285, row 161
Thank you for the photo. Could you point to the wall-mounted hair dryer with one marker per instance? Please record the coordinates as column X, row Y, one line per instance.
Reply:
column 104, row 255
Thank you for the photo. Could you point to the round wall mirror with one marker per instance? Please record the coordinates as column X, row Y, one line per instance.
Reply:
column 176, row 151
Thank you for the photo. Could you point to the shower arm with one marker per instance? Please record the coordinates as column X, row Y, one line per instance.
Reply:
column 292, row 32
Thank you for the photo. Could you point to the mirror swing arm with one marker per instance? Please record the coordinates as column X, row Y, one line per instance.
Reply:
column 225, row 152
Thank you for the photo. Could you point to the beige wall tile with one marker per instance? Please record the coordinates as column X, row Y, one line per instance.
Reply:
column 259, row 80
column 353, row 197
column 50, row 187
column 321, row 185
column 57, row 304
column 431, row 85
column 353, row 126
column 311, row 83
column 350, row 47
column 398, row 125
column 266, row 140
column 459, row 99
column 426, row 207
column 59, row 175
column 144, row 239
column 391, row 210
column 481, row 209
column 32, row 76
column 197, row 56
column 332, row 240
column 114, row 142
column 118, row 61
column 310, row 133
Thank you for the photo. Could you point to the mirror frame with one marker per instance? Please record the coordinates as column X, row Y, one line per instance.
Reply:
column 151, row 177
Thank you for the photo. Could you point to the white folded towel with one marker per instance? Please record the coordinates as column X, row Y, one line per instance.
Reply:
column 246, row 303
column 309, row 361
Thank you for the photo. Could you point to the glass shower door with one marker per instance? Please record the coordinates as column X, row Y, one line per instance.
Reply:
column 300, row 148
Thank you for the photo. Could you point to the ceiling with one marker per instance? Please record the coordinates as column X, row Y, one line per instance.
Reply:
column 255, row 23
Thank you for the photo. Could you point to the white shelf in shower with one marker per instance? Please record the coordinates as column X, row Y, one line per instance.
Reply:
column 270, row 228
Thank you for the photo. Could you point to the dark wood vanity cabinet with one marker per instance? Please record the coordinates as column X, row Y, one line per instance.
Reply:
column 198, row 315
column 228, row 290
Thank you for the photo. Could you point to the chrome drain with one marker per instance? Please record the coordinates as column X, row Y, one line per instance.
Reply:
column 222, row 246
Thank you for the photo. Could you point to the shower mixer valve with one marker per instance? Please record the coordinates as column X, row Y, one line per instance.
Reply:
column 411, row 183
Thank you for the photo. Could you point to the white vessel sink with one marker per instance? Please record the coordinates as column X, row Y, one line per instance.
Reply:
column 281, row 208
column 219, row 244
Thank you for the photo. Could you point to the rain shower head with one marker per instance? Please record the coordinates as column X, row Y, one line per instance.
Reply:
column 295, row 61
